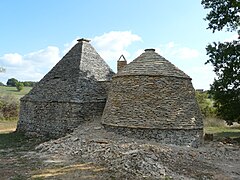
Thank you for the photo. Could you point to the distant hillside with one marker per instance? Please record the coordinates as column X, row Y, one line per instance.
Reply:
column 5, row 90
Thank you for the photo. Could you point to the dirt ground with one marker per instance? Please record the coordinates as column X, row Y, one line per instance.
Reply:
column 23, row 158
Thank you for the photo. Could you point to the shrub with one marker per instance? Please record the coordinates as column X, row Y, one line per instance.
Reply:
column 19, row 86
column 9, row 107
column 205, row 104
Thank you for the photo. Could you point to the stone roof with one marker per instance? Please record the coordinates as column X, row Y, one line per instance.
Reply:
column 74, row 78
column 151, row 63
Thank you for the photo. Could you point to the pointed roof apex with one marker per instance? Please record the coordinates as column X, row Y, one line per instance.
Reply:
column 149, row 50
column 83, row 39
column 122, row 58
column 151, row 63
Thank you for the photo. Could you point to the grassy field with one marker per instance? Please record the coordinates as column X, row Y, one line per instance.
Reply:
column 5, row 90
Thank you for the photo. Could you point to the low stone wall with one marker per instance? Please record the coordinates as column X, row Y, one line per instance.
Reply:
column 181, row 137
column 54, row 119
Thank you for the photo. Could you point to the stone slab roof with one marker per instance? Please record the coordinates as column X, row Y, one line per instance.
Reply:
column 75, row 78
column 151, row 63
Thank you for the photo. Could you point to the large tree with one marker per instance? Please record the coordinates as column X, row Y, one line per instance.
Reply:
column 225, row 57
column 12, row 82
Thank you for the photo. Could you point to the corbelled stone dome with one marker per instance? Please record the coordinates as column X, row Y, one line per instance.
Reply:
column 151, row 63
column 72, row 92
column 151, row 93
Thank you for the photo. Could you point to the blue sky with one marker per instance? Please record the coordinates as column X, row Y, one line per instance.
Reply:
column 34, row 35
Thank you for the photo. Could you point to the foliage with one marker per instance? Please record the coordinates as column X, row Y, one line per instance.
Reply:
column 225, row 58
column 9, row 107
column 1, row 84
column 29, row 83
column 12, row 82
column 223, row 13
column 205, row 104
column 19, row 86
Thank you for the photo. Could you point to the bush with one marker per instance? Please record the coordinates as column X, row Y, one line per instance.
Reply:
column 205, row 104
column 9, row 107
column 19, row 86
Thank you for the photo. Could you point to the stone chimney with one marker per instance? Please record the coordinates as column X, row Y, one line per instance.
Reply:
column 121, row 63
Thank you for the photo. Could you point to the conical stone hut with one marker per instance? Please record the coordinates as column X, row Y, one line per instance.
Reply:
column 74, row 91
column 153, row 99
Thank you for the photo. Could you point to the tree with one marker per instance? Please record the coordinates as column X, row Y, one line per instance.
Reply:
column 19, row 86
column 12, row 82
column 205, row 104
column 225, row 58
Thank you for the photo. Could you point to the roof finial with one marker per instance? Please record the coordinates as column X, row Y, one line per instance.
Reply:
column 83, row 39
column 149, row 50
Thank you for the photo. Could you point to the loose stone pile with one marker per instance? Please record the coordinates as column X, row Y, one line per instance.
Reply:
column 141, row 159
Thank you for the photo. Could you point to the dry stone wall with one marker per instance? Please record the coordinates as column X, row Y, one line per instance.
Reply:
column 152, row 102
column 54, row 119
column 181, row 137
column 74, row 91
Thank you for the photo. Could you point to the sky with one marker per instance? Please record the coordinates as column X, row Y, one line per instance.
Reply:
column 35, row 35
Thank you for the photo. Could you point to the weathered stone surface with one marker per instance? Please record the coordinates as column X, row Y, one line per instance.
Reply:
column 74, row 91
column 151, row 98
column 142, row 159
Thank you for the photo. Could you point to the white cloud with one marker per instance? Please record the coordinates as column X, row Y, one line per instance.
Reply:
column 34, row 65
column 31, row 66
column 12, row 59
column 111, row 45
column 175, row 50
column 68, row 46
column 202, row 76
column 48, row 57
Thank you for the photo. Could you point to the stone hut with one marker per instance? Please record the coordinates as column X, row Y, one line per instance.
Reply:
column 151, row 98
column 74, row 91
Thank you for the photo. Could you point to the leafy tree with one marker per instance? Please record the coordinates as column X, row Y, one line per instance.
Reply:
column 225, row 58
column 12, row 82
column 205, row 104
column 19, row 86
column 1, row 84
column 29, row 83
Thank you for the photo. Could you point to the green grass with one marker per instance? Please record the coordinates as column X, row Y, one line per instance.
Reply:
column 220, row 129
column 5, row 90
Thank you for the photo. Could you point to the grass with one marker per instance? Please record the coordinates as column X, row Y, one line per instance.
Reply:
column 220, row 129
column 5, row 90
